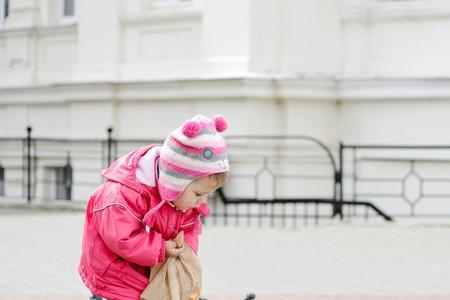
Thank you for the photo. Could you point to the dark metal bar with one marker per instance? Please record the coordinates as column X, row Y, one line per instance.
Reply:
column 260, row 214
column 29, row 129
column 305, row 214
column 240, row 201
column 366, row 213
column 294, row 222
column 272, row 214
column 355, row 178
column 316, row 213
column 116, row 146
column 2, row 181
column 24, row 157
column 225, row 220
column 248, row 215
column 337, row 210
column 432, row 147
column 68, row 177
column 109, row 145
column 215, row 210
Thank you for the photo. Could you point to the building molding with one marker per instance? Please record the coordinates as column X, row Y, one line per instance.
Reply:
column 210, row 89
column 382, row 10
column 394, row 89
column 40, row 30
column 163, row 15
column 263, row 88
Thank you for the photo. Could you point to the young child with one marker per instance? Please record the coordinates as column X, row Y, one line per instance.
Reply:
column 149, row 196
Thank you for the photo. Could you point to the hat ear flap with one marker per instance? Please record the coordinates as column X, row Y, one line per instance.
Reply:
column 220, row 123
column 191, row 129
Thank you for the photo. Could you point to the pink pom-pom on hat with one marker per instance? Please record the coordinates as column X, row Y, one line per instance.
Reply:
column 220, row 123
column 191, row 129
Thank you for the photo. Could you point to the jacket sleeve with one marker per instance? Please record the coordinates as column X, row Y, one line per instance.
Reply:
column 123, row 233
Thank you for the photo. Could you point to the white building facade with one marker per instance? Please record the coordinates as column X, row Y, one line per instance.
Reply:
column 356, row 71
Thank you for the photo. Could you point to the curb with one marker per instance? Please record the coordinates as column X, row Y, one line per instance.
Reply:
column 45, row 206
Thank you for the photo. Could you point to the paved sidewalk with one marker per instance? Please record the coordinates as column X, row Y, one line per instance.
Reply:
column 40, row 252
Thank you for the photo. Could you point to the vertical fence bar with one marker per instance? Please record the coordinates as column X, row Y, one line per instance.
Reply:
column 225, row 214
column 109, row 146
column 116, row 149
column 215, row 213
column 248, row 215
column 28, row 146
column 260, row 215
column 236, row 210
column 294, row 221
column 316, row 213
column 272, row 214
column 2, row 180
column 68, row 177
column 341, row 180
column 305, row 214
column 354, row 179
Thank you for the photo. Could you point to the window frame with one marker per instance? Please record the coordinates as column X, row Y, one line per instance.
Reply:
column 63, row 182
column 62, row 19
column 4, row 11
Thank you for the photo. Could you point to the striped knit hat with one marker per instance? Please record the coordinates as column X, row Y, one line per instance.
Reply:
column 193, row 150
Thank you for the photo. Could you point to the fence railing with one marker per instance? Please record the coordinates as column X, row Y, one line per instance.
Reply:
column 274, row 181
column 406, row 180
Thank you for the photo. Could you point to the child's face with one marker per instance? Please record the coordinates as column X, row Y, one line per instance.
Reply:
column 195, row 193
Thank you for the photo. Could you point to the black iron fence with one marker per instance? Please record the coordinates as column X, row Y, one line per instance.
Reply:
column 42, row 168
column 405, row 180
column 301, row 182
column 275, row 180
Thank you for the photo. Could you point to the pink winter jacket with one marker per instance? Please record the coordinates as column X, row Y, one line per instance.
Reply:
column 117, row 248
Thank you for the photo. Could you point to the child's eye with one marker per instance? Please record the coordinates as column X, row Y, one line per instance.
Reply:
column 198, row 194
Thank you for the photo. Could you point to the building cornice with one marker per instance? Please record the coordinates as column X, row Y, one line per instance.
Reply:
column 211, row 89
column 162, row 15
column 41, row 30
column 394, row 89
column 379, row 10
column 257, row 88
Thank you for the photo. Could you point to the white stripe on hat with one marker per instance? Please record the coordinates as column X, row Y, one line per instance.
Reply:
column 175, row 180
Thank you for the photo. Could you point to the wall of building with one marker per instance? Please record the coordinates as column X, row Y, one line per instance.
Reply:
column 357, row 71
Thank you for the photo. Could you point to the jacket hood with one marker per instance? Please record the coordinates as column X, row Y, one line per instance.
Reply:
column 123, row 170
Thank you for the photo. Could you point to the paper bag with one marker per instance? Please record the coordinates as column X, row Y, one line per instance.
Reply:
column 177, row 278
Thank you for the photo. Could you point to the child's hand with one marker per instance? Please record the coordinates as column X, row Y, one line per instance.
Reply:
column 172, row 250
